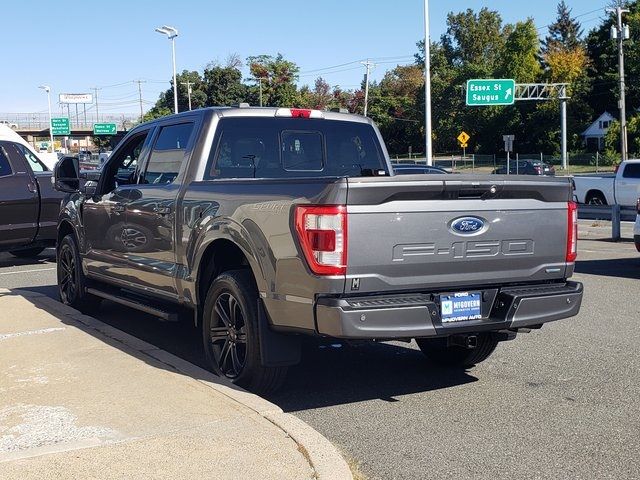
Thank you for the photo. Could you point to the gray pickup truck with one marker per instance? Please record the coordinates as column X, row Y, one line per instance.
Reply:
column 267, row 224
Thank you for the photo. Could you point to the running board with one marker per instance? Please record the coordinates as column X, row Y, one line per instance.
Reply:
column 163, row 314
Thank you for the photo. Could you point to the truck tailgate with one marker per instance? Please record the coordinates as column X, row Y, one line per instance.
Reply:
column 453, row 231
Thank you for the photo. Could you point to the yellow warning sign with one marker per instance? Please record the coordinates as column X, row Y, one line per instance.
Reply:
column 463, row 137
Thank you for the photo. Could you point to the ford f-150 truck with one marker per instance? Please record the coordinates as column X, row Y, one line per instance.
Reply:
column 622, row 188
column 29, row 206
column 267, row 224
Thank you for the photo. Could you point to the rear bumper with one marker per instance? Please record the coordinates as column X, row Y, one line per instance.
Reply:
column 418, row 315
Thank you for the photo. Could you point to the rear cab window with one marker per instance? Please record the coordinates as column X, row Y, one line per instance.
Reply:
column 268, row 147
column 631, row 170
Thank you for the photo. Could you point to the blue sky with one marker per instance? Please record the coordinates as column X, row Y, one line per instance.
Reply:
column 73, row 45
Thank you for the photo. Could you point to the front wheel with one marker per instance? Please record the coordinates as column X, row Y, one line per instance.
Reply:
column 230, row 333
column 439, row 351
column 71, row 279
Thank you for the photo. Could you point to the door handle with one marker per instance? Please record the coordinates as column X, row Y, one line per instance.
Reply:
column 118, row 208
column 162, row 210
column 31, row 187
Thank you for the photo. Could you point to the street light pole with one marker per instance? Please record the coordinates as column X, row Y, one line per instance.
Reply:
column 171, row 34
column 427, row 87
column 620, row 32
column 47, row 89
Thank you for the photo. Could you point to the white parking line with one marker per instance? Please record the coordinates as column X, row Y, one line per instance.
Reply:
column 4, row 336
column 28, row 271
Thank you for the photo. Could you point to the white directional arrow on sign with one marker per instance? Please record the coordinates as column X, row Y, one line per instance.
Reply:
column 507, row 94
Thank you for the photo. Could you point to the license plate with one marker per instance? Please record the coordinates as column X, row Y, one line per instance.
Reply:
column 460, row 307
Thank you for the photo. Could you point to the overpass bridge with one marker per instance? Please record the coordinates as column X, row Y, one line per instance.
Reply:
column 35, row 125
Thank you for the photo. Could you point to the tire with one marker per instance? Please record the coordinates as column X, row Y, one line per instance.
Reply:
column 71, row 279
column 436, row 350
column 596, row 198
column 27, row 252
column 230, row 334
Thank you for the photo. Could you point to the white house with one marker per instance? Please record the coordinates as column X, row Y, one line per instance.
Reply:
column 593, row 137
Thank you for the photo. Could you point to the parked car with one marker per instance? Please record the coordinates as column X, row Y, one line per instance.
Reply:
column 621, row 187
column 266, row 224
column 526, row 167
column 29, row 206
column 407, row 169
column 636, row 227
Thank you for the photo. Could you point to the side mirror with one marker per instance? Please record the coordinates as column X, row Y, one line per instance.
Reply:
column 66, row 175
column 89, row 188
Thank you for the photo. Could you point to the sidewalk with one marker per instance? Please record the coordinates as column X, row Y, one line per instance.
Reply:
column 81, row 399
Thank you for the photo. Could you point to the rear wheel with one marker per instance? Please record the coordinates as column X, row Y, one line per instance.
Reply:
column 71, row 279
column 27, row 252
column 438, row 351
column 230, row 333
column 596, row 198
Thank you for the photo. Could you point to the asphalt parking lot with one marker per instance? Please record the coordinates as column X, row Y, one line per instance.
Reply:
column 561, row 402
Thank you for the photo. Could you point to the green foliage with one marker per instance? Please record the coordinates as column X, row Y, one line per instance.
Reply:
column 520, row 57
column 565, row 33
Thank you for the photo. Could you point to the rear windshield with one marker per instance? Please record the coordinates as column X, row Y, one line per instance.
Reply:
column 288, row 147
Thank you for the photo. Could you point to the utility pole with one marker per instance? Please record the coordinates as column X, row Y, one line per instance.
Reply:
column 620, row 32
column 427, row 87
column 260, row 87
column 188, row 84
column 95, row 94
column 563, row 125
column 368, row 65
column 140, row 82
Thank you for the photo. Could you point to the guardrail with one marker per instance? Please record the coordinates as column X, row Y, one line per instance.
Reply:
column 614, row 213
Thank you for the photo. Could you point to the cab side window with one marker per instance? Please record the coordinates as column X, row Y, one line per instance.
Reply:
column 121, row 168
column 5, row 167
column 168, row 154
column 33, row 161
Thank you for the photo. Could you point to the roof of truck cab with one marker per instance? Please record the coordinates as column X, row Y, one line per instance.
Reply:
column 265, row 112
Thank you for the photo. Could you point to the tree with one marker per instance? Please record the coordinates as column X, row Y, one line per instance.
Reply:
column 474, row 39
column 520, row 54
column 565, row 33
column 278, row 77
column 223, row 85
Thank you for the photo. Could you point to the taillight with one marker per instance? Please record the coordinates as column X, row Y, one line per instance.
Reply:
column 322, row 231
column 538, row 169
column 572, row 232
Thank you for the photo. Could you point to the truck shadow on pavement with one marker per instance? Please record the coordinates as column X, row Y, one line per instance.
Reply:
column 48, row 256
column 329, row 374
column 341, row 374
column 611, row 267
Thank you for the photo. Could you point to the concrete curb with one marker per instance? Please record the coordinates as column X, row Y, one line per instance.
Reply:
column 323, row 456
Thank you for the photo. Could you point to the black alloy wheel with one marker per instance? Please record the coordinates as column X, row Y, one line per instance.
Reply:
column 229, row 335
column 67, row 275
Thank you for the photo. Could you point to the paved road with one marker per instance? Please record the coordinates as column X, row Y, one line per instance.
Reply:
column 561, row 402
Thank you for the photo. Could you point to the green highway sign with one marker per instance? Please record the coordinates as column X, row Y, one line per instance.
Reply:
column 60, row 126
column 486, row 92
column 105, row 129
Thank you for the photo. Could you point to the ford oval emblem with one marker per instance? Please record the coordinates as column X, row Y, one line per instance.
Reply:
column 467, row 226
